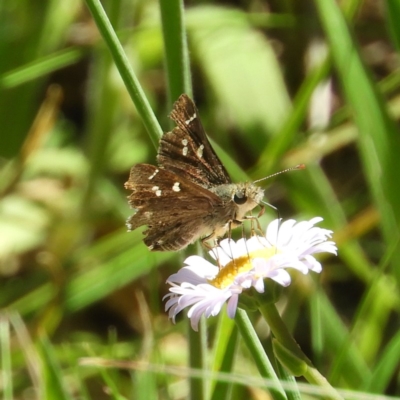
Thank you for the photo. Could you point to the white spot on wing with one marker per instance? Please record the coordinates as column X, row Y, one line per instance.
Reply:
column 192, row 118
column 185, row 151
column 153, row 174
column 184, row 142
column 157, row 190
column 176, row 187
column 199, row 151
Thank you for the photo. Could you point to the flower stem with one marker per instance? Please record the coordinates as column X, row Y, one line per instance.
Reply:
column 127, row 74
column 264, row 365
column 280, row 331
column 197, row 351
column 298, row 360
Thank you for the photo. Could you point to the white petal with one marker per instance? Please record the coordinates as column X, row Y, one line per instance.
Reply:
column 194, row 319
column 223, row 252
column 232, row 306
column 201, row 266
column 272, row 231
column 257, row 243
column 313, row 264
column 282, row 277
column 315, row 220
column 258, row 285
column 285, row 233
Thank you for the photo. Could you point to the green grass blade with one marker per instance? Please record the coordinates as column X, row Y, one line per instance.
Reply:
column 41, row 67
column 261, row 360
column 176, row 49
column 89, row 287
column 242, row 71
column 287, row 134
column 294, row 393
column 320, row 199
column 225, row 349
column 53, row 385
column 6, row 365
column 385, row 367
column 145, row 385
column 118, row 262
column 379, row 138
column 393, row 15
column 349, row 364
column 127, row 74
column 197, row 342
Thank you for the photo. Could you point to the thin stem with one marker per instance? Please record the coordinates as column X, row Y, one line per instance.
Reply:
column 253, row 344
column 6, row 366
column 280, row 331
column 128, row 76
column 197, row 349
column 299, row 361
column 176, row 48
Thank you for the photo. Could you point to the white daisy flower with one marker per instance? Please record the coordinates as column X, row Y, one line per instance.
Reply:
column 205, row 287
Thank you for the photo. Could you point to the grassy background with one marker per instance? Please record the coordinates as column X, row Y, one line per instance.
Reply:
column 277, row 84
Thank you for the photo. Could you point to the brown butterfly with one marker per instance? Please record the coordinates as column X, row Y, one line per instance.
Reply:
column 190, row 194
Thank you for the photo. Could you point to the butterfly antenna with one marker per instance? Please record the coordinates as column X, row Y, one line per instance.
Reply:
column 295, row 168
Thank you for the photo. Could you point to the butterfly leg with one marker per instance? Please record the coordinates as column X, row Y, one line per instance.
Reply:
column 209, row 247
column 255, row 226
column 262, row 210
column 219, row 233
column 255, row 219
column 217, row 240
column 230, row 237
column 235, row 224
column 205, row 241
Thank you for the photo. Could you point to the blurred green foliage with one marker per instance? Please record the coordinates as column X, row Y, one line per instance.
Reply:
column 277, row 84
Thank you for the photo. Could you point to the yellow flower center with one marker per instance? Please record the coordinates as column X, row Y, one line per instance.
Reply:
column 238, row 265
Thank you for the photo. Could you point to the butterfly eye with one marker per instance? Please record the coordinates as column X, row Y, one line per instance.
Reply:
column 239, row 198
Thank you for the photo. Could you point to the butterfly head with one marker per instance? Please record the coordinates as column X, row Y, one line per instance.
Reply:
column 246, row 197
column 243, row 196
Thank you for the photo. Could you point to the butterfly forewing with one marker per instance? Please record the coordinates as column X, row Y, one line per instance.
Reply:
column 176, row 211
column 186, row 150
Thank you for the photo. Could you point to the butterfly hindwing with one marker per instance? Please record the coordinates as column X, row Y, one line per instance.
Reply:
column 176, row 211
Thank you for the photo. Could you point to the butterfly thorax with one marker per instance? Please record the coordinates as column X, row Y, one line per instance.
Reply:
column 243, row 196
